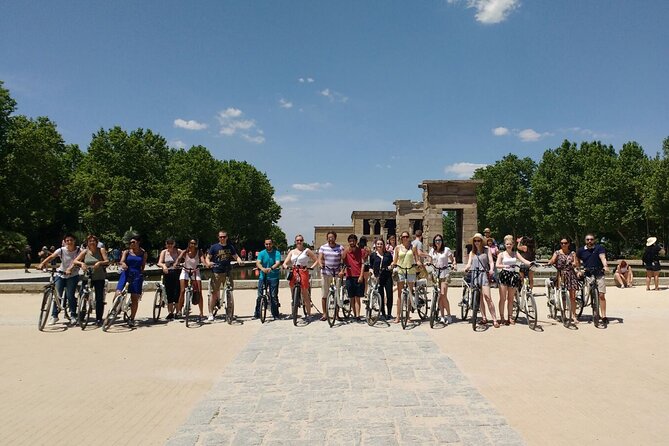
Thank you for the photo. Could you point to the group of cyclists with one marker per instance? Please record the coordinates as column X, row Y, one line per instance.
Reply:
column 390, row 264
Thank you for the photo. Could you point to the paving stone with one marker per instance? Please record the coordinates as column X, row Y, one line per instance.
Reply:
column 350, row 385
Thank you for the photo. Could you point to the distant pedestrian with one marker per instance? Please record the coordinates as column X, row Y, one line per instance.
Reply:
column 27, row 257
column 651, row 260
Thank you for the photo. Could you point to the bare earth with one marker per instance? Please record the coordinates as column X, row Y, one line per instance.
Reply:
column 558, row 386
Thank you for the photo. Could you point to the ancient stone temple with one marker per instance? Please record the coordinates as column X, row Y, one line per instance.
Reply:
column 458, row 196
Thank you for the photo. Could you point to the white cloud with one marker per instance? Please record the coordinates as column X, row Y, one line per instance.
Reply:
column 587, row 132
column 462, row 170
column 490, row 11
column 333, row 96
column 179, row 144
column 286, row 198
column 301, row 218
column 500, row 131
column 285, row 104
column 311, row 186
column 308, row 80
column 189, row 125
column 530, row 135
column 231, row 123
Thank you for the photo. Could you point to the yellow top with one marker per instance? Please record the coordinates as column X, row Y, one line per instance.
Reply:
column 405, row 259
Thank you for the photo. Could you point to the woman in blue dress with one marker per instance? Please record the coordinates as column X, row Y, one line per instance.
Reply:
column 133, row 261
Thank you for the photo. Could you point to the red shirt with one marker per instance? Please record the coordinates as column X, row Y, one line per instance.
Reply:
column 353, row 259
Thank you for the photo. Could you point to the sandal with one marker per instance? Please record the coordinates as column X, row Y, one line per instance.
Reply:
column 484, row 321
column 495, row 324
column 323, row 318
column 510, row 322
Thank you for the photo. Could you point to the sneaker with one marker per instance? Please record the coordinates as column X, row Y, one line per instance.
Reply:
column 131, row 323
column 98, row 322
column 210, row 318
column 53, row 320
column 443, row 320
column 74, row 320
column 170, row 317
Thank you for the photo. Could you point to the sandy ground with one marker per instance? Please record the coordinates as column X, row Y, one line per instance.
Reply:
column 555, row 386
column 585, row 386
column 68, row 386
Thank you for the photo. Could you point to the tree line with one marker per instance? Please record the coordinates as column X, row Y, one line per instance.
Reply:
column 125, row 180
column 620, row 196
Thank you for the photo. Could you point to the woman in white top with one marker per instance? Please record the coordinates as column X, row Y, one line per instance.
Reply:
column 299, row 258
column 67, row 276
column 190, row 258
column 623, row 275
column 509, row 278
column 166, row 260
column 442, row 257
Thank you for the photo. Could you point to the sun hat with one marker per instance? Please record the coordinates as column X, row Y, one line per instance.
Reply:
column 477, row 235
column 651, row 241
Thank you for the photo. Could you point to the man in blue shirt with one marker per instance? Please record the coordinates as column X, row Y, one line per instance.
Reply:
column 269, row 264
column 593, row 257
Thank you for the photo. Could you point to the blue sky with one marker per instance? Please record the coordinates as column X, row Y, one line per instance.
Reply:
column 346, row 105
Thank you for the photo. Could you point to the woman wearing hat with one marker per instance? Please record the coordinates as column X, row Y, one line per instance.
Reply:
column 480, row 259
column 651, row 260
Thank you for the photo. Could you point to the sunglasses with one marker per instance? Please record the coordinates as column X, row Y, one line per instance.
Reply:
column 132, row 242
column 299, row 241
column 564, row 243
column 438, row 240
column 405, row 236
column 222, row 236
column 478, row 241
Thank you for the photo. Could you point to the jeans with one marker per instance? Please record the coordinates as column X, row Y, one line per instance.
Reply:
column 386, row 292
column 273, row 293
column 99, row 287
column 70, row 285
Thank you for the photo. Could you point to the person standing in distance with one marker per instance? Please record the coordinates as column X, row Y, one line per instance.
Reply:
column 218, row 258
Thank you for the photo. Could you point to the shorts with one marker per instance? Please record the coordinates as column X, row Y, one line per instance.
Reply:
column 509, row 278
column 480, row 278
column 218, row 281
column 653, row 267
column 601, row 283
column 304, row 278
column 355, row 288
column 184, row 275
column 410, row 277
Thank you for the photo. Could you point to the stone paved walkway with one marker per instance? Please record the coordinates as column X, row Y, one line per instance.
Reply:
column 351, row 384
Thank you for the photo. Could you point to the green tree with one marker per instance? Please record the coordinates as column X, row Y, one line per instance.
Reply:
column 504, row 198
column 122, row 182
column 656, row 198
column 7, row 107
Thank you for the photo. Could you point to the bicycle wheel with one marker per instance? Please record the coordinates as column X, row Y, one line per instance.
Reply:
column 373, row 308
column 263, row 308
column 331, row 307
column 475, row 307
column 113, row 313
column 83, row 308
column 346, row 303
column 404, row 310
column 296, row 303
column 550, row 300
column 47, row 302
column 433, row 308
column 229, row 306
column 566, row 310
column 595, row 306
column 188, row 295
column 580, row 302
column 464, row 305
column 422, row 303
column 531, row 311
column 157, row 304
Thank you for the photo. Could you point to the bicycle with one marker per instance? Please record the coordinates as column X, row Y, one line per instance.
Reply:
column 159, row 299
column 590, row 296
column 84, row 304
column 525, row 302
column 48, row 300
column 472, row 296
column 228, row 302
column 122, row 304
column 334, row 300
column 436, row 291
column 189, row 293
column 421, row 301
column 297, row 300
column 406, row 304
column 559, row 305
column 265, row 299
column 373, row 301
